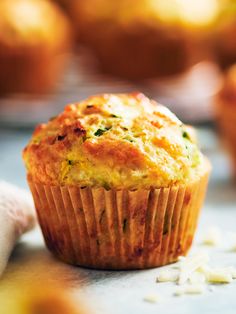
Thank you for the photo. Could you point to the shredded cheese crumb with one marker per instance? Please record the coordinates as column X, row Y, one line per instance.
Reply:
column 233, row 241
column 220, row 275
column 197, row 278
column 190, row 289
column 181, row 258
column 152, row 298
column 190, row 265
column 195, row 289
column 179, row 291
column 212, row 236
column 204, row 269
column 193, row 273
column 168, row 275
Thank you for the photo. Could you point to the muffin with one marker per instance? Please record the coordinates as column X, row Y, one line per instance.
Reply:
column 64, row 4
column 226, row 113
column 32, row 299
column 34, row 42
column 118, row 182
column 224, row 43
column 139, row 39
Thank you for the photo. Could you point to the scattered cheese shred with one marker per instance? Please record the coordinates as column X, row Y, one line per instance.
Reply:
column 181, row 258
column 190, row 265
column 197, row 278
column 212, row 237
column 204, row 269
column 193, row 273
column 179, row 291
column 195, row 289
column 233, row 240
column 152, row 298
column 220, row 275
column 168, row 275
column 189, row 289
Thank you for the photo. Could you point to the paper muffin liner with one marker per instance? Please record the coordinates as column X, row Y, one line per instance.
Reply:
column 118, row 229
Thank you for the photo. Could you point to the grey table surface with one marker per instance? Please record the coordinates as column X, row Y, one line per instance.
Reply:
column 123, row 292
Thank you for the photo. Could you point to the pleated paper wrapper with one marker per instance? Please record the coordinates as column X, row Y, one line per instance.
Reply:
column 118, row 229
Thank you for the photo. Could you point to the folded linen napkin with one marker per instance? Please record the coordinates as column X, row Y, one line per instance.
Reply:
column 16, row 217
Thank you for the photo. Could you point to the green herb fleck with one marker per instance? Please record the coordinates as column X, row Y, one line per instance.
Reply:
column 185, row 135
column 100, row 132
column 106, row 186
column 115, row 116
column 128, row 139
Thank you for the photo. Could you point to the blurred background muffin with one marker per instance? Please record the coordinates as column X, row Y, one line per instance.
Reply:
column 226, row 113
column 34, row 41
column 64, row 4
column 159, row 47
column 224, row 34
column 144, row 38
column 54, row 298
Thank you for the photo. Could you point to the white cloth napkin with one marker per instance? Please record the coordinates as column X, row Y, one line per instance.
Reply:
column 16, row 217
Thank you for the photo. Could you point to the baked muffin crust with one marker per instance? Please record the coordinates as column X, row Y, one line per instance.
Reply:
column 114, row 141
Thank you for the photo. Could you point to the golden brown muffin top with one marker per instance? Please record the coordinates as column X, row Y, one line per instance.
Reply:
column 31, row 22
column 114, row 140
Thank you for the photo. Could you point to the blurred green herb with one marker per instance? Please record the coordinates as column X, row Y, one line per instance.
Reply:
column 115, row 116
column 185, row 135
column 129, row 139
column 100, row 132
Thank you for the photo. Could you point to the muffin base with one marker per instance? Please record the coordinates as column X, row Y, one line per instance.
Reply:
column 118, row 229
